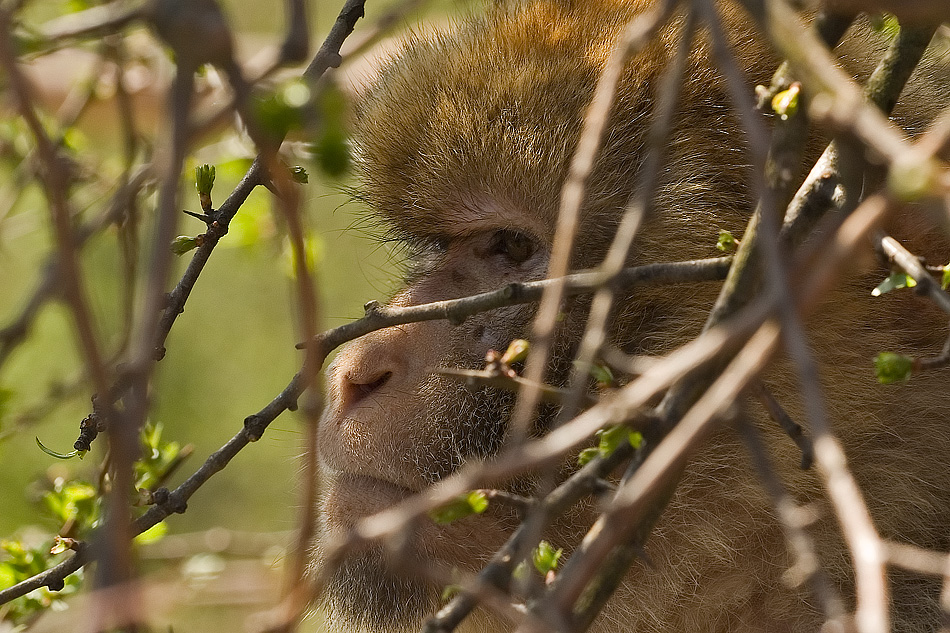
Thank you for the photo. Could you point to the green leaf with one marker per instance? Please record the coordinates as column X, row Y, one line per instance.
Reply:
column 545, row 557
column 182, row 244
column 60, row 545
column 7, row 575
column 275, row 116
column 726, row 242
column 611, row 438
column 331, row 146
column 608, row 440
column 891, row 367
column 885, row 23
column 73, row 501
column 332, row 152
column 894, row 281
column 474, row 502
column 157, row 456
column 636, row 439
column 945, row 278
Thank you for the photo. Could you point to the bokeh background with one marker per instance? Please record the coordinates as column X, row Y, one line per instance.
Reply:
column 229, row 353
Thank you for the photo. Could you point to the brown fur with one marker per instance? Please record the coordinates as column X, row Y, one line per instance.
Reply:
column 469, row 132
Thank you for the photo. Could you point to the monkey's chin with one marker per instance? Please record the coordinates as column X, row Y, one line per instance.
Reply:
column 366, row 593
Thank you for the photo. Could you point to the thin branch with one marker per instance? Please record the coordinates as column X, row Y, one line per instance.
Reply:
column 785, row 421
column 329, row 54
column 498, row 571
column 542, row 452
column 457, row 310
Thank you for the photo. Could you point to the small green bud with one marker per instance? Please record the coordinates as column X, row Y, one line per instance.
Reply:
column 517, row 351
column 945, row 279
column 894, row 281
column 726, row 242
column 891, row 367
column 545, row 557
column 204, row 178
column 474, row 502
column 61, row 545
column 204, row 182
column 785, row 103
column 299, row 174
column 183, row 243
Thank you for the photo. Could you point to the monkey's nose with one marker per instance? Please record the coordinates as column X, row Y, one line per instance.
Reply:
column 357, row 386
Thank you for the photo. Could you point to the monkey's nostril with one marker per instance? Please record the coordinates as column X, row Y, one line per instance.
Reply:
column 376, row 384
column 358, row 389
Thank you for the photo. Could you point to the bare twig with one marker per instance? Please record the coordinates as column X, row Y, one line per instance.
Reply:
column 785, row 421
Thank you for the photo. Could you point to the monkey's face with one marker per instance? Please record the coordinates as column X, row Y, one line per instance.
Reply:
column 393, row 427
column 463, row 144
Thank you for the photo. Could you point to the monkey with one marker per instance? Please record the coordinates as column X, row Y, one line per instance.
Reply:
column 463, row 141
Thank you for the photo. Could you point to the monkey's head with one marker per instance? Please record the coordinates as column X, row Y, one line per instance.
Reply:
column 463, row 144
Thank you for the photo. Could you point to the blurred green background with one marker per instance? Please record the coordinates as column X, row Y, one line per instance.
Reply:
column 230, row 352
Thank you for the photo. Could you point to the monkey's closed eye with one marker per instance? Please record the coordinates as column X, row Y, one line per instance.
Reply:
column 516, row 247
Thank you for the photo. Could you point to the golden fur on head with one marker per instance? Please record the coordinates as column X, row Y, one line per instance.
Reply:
column 487, row 115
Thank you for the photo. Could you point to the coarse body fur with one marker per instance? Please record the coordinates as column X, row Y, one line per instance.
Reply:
column 463, row 143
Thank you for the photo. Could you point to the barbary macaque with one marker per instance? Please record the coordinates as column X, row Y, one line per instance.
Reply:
column 463, row 143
